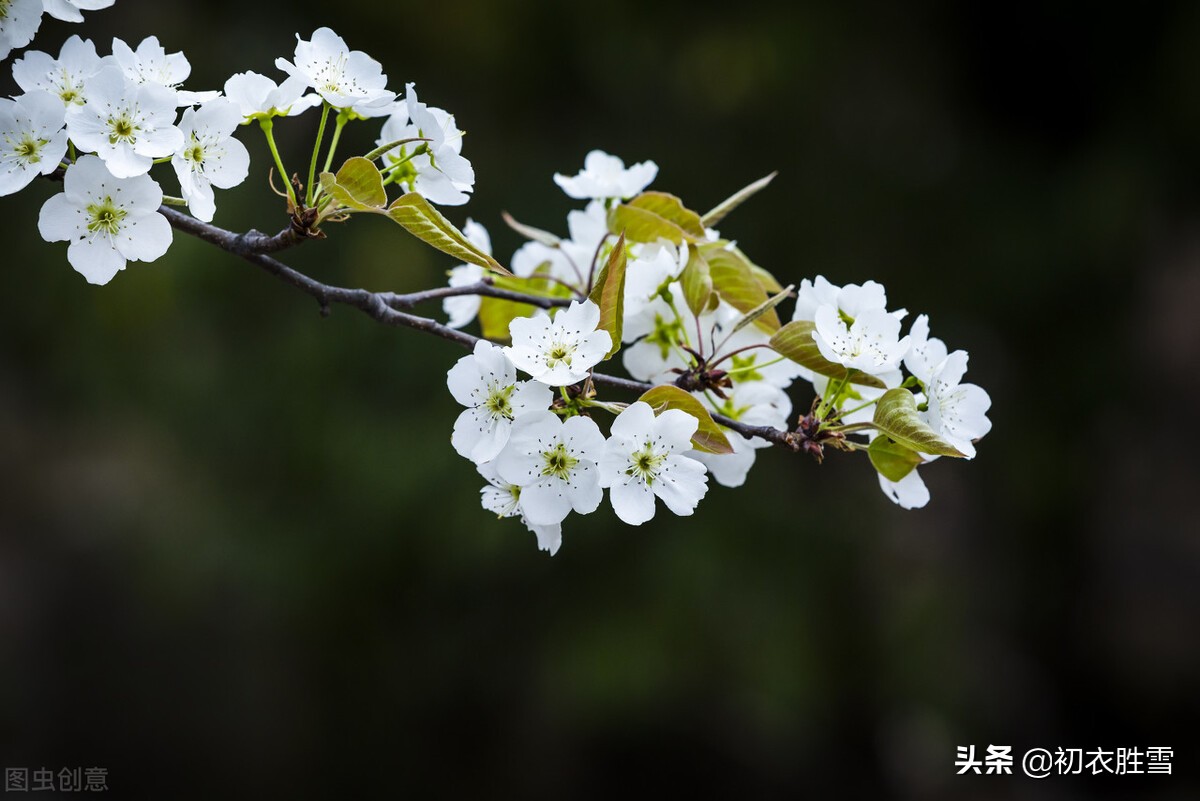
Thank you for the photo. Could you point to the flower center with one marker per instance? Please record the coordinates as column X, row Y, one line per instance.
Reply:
column 559, row 352
column 645, row 464
column 665, row 335
column 105, row 217
column 195, row 153
column 29, row 150
column 499, row 402
column 558, row 462
column 121, row 129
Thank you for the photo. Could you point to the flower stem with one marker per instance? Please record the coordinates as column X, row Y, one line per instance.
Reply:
column 268, row 126
column 342, row 118
column 312, row 165
column 168, row 200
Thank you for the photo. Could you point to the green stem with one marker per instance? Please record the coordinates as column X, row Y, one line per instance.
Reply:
column 312, row 165
column 268, row 126
column 342, row 118
column 168, row 200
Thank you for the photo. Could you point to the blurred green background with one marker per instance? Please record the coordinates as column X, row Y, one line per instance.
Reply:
column 239, row 557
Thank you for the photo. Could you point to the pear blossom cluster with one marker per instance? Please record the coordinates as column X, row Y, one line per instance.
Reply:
column 103, row 122
column 544, row 459
column 639, row 280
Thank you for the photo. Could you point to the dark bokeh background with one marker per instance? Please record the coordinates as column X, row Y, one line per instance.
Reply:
column 239, row 557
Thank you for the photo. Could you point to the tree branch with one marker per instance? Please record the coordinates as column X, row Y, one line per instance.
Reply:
column 254, row 246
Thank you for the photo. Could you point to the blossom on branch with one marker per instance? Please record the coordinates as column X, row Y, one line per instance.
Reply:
column 32, row 139
column 210, row 156
column 107, row 220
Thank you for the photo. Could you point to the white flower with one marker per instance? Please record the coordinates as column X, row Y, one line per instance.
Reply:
column 436, row 168
column 909, row 492
column 342, row 76
column 107, row 220
column 870, row 343
column 504, row 499
column 647, row 273
column 69, row 10
column 462, row 309
column 210, row 156
column 151, row 63
column 561, row 351
column 19, row 22
column 604, row 176
column 63, row 77
column 554, row 463
column 259, row 97
column 924, row 352
column 486, row 383
column 32, row 139
column 756, row 403
column 656, row 333
column 958, row 412
column 126, row 125
column 851, row 299
column 647, row 456
column 571, row 260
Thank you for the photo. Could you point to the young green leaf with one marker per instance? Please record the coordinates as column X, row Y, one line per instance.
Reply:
column 737, row 286
column 640, row 225
column 708, row 437
column 763, row 308
column 696, row 280
column 670, row 208
column 609, row 294
column 795, row 341
column 529, row 232
column 357, row 185
column 415, row 214
column 893, row 460
column 896, row 416
column 736, row 199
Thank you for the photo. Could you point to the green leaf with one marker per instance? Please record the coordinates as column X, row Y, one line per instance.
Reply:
column 896, row 415
column 529, row 232
column 357, row 185
column 640, row 225
column 708, row 437
column 763, row 308
column 893, row 460
column 696, row 280
column 795, row 341
column 737, row 286
column 609, row 294
column 671, row 209
column 736, row 199
column 415, row 214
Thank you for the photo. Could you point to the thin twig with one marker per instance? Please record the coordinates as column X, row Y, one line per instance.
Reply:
column 254, row 246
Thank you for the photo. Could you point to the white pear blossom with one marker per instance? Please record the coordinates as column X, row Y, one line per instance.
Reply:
column 870, row 343
column 151, row 64
column 651, row 269
column 572, row 259
column 462, row 309
column 559, row 351
column 259, row 97
column 343, row 77
column 656, row 333
column 71, row 10
column 604, row 176
column 32, row 139
column 125, row 124
column 504, row 499
column 554, row 463
column 19, row 22
column 63, row 77
column 210, row 156
column 646, row 456
column 957, row 411
column 486, row 383
column 107, row 220
column 756, row 403
column 435, row 168
column 924, row 352
column 851, row 300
